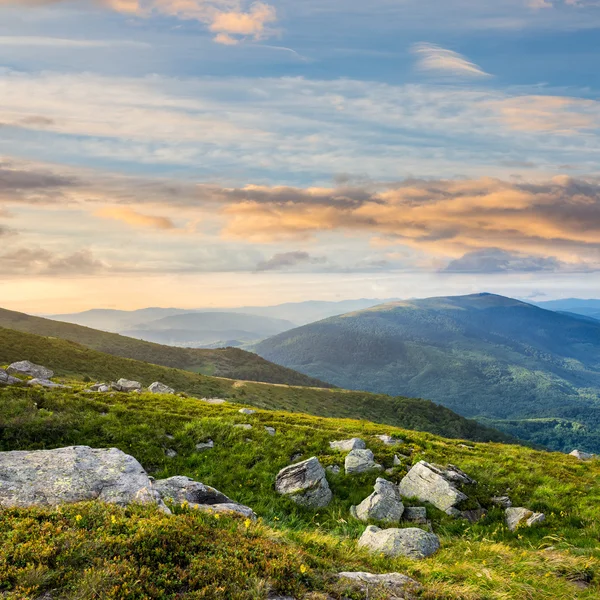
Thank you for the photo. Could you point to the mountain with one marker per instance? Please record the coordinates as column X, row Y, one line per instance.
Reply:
column 69, row 359
column 526, row 370
column 96, row 550
column 208, row 329
column 227, row 362
column 588, row 308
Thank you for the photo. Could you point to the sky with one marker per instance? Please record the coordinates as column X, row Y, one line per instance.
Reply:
column 199, row 153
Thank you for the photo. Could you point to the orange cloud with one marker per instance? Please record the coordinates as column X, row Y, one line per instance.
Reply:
column 134, row 218
column 252, row 23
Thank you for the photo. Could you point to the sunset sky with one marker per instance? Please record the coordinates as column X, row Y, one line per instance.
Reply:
column 198, row 153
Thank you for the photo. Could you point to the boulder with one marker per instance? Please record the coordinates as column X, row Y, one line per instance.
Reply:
column 384, row 504
column 24, row 367
column 388, row 440
column 125, row 385
column 305, row 483
column 395, row 585
column 247, row 411
column 348, row 445
column 411, row 542
column 198, row 496
column 270, row 430
column 415, row 514
column 361, row 461
column 45, row 383
column 160, row 388
column 522, row 517
column 6, row 379
column 436, row 485
column 72, row 474
column 205, row 445
column 581, row 455
column 100, row 387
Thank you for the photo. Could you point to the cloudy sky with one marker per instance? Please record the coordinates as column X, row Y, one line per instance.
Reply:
column 201, row 153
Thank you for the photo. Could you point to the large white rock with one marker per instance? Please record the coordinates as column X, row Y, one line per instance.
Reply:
column 361, row 461
column 582, row 455
column 411, row 542
column 305, row 483
column 348, row 445
column 384, row 504
column 436, row 485
column 395, row 585
column 72, row 474
column 125, row 385
column 25, row 367
column 160, row 388
column 522, row 517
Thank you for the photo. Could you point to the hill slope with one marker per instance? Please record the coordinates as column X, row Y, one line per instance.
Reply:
column 227, row 362
column 484, row 356
column 70, row 359
column 98, row 551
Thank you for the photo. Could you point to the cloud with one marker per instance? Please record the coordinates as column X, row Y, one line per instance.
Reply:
column 289, row 259
column 134, row 218
column 440, row 61
column 32, row 185
column 41, row 262
column 252, row 23
column 493, row 260
column 31, row 41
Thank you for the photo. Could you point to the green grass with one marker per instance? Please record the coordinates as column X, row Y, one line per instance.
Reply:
column 73, row 360
column 90, row 550
column 227, row 362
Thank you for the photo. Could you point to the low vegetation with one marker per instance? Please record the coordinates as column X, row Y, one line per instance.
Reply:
column 97, row 551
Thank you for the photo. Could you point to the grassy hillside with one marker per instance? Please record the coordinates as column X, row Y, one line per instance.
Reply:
column 226, row 362
column 483, row 356
column 70, row 359
column 97, row 551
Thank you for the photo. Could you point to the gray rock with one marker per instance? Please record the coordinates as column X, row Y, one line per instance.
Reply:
column 125, row 385
column 213, row 400
column 384, row 504
column 411, row 542
column 270, row 430
column 474, row 515
column 171, row 453
column 247, row 411
column 396, row 585
column 502, row 501
column 24, row 367
column 72, row 474
column 305, row 483
column 388, row 440
column 205, row 445
column 100, row 387
column 415, row 514
column 6, row 379
column 160, row 388
column 243, row 426
column 228, row 508
column 45, row 383
column 397, row 461
column 335, row 469
column 361, row 461
column 348, row 445
column 436, row 485
column 582, row 455
column 522, row 517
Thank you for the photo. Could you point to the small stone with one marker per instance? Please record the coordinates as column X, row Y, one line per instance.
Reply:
column 348, row 445
column 502, row 501
column 305, row 483
column 171, row 453
column 45, row 383
column 247, row 411
column 522, row 517
column 169, row 436
column 397, row 461
column 205, row 445
column 398, row 586
column 388, row 440
column 243, row 426
column 361, row 461
column 415, row 514
column 270, row 430
column 213, row 400
column 160, row 388
column 582, row 455
column 25, row 367
column 384, row 504
column 411, row 542
column 335, row 469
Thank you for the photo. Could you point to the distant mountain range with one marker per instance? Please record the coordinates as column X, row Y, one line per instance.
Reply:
column 532, row 372
column 578, row 306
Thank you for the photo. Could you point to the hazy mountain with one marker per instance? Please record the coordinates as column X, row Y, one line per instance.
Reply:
column 209, row 328
column 579, row 306
column 484, row 356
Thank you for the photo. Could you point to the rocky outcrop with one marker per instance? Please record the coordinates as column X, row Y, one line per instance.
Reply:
column 305, row 483
column 411, row 542
column 395, row 585
column 384, row 504
column 72, row 474
column 24, row 367
column 348, row 445
column 160, row 388
column 361, row 461
column 125, row 385
column 582, row 455
column 522, row 517
column 436, row 485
